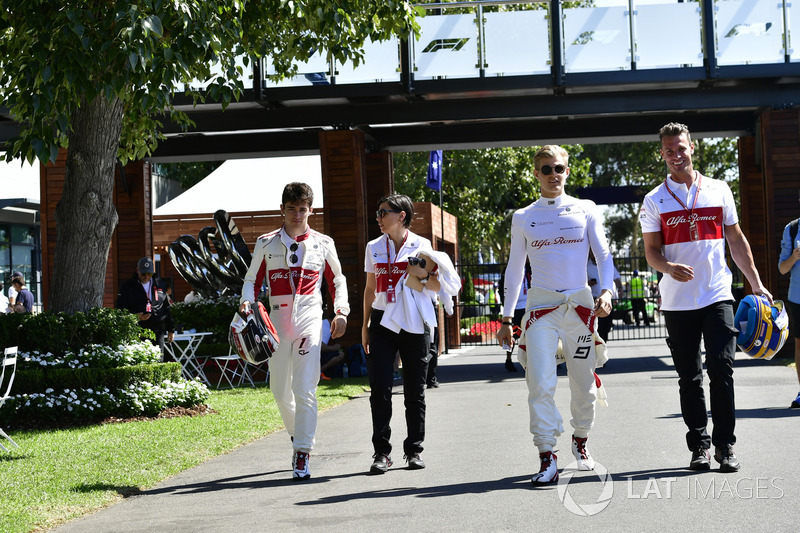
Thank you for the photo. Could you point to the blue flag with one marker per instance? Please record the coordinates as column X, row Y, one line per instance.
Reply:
column 434, row 180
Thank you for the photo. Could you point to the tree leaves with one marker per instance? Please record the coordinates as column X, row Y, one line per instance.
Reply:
column 113, row 48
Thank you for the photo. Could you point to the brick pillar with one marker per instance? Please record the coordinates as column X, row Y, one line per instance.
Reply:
column 343, row 159
column 769, row 174
column 133, row 237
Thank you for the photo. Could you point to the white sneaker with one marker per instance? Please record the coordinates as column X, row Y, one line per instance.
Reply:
column 300, row 462
column 585, row 461
column 548, row 472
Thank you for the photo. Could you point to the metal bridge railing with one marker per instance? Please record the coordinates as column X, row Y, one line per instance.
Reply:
column 483, row 39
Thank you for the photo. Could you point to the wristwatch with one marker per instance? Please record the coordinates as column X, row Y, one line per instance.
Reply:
column 425, row 279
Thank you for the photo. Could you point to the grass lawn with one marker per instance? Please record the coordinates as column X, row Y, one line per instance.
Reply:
column 58, row 475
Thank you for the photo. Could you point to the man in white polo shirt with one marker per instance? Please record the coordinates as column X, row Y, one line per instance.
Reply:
column 685, row 222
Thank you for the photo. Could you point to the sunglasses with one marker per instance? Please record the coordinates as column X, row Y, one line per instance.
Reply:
column 380, row 212
column 293, row 257
column 547, row 169
column 414, row 261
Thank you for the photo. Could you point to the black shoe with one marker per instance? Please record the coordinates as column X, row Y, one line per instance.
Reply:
column 433, row 384
column 414, row 462
column 700, row 459
column 381, row 464
column 510, row 366
column 726, row 458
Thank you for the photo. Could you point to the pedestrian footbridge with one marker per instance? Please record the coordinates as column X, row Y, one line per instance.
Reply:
column 502, row 73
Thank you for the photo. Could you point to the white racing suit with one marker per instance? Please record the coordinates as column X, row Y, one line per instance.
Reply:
column 568, row 316
column 554, row 235
column 296, row 311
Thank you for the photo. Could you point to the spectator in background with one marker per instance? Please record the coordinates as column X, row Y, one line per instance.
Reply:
column 3, row 300
column 637, row 299
column 24, row 298
column 12, row 292
column 604, row 323
column 789, row 264
column 142, row 296
column 331, row 355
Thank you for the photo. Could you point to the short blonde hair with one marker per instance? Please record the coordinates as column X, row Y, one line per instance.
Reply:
column 550, row 151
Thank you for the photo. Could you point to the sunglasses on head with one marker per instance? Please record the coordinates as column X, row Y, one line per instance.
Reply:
column 293, row 257
column 380, row 212
column 547, row 169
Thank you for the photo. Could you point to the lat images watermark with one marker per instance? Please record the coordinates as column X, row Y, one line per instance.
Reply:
column 591, row 508
column 690, row 488
column 708, row 488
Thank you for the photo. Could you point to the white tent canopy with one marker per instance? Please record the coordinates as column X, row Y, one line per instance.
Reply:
column 248, row 185
column 19, row 183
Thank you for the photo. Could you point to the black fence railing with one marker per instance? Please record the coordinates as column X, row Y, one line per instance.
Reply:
column 482, row 292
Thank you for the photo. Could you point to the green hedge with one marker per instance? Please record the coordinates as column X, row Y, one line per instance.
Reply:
column 60, row 332
column 35, row 380
column 213, row 315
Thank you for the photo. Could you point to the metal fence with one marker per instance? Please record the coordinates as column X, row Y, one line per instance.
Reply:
column 482, row 291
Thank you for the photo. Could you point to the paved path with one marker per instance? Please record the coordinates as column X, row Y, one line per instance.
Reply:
column 480, row 458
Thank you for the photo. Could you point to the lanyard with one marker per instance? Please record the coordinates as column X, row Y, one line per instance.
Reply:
column 396, row 254
column 146, row 292
column 696, row 194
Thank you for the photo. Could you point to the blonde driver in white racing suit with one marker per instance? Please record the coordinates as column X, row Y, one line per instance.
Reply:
column 291, row 262
column 555, row 233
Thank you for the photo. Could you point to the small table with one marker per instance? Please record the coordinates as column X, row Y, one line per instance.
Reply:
column 191, row 367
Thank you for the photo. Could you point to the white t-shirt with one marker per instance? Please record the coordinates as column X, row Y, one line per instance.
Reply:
column 555, row 234
column 593, row 273
column 714, row 210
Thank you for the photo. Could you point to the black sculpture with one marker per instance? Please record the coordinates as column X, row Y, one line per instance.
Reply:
column 216, row 262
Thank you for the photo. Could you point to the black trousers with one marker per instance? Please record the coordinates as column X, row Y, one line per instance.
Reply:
column 604, row 324
column 638, row 306
column 714, row 324
column 384, row 344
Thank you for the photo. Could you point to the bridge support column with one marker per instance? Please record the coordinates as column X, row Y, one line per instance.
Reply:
column 353, row 182
column 769, row 166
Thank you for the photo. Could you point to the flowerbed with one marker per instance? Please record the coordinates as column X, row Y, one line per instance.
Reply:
column 485, row 328
column 72, row 406
column 96, row 356
column 68, row 373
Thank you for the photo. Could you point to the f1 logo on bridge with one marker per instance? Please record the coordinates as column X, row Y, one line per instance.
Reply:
column 454, row 44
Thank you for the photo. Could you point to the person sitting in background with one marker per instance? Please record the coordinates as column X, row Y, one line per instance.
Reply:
column 331, row 355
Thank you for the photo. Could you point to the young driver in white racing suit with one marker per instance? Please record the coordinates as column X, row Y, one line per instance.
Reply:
column 555, row 233
column 292, row 261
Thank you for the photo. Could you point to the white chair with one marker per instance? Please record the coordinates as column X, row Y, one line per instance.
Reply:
column 231, row 369
column 9, row 362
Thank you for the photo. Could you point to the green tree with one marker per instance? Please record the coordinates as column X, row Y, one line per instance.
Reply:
column 99, row 77
column 482, row 188
column 640, row 164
